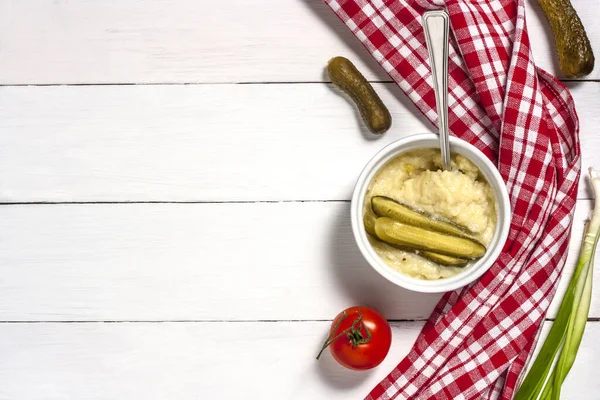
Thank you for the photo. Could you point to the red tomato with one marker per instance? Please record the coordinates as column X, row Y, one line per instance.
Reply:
column 359, row 338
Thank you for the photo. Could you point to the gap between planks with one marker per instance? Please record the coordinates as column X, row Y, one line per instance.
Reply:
column 49, row 203
column 212, row 321
column 214, row 83
column 44, row 203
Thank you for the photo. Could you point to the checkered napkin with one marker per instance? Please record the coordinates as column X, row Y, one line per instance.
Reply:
column 478, row 339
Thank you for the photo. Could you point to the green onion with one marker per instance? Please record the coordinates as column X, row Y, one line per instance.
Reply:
column 557, row 355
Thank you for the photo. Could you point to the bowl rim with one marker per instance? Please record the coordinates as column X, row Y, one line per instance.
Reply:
column 472, row 272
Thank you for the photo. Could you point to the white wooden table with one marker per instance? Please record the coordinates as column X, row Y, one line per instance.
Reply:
column 174, row 222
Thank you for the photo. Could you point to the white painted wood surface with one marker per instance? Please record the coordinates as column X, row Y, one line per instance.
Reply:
column 204, row 142
column 255, row 261
column 203, row 299
column 255, row 360
column 157, row 41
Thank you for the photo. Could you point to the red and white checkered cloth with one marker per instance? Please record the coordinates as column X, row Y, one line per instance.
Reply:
column 477, row 341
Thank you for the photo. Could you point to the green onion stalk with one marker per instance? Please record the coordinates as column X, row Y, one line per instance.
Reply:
column 558, row 352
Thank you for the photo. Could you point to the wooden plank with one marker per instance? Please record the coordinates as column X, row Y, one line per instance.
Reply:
column 203, row 143
column 187, row 360
column 254, row 261
column 154, row 41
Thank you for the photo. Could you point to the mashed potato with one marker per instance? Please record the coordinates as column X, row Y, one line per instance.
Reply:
column 462, row 195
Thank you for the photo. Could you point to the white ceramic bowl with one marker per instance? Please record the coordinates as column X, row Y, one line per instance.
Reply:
column 472, row 271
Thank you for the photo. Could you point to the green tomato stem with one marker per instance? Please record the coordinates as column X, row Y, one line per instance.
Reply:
column 353, row 333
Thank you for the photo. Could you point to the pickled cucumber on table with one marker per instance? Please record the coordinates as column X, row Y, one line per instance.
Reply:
column 575, row 56
column 346, row 77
